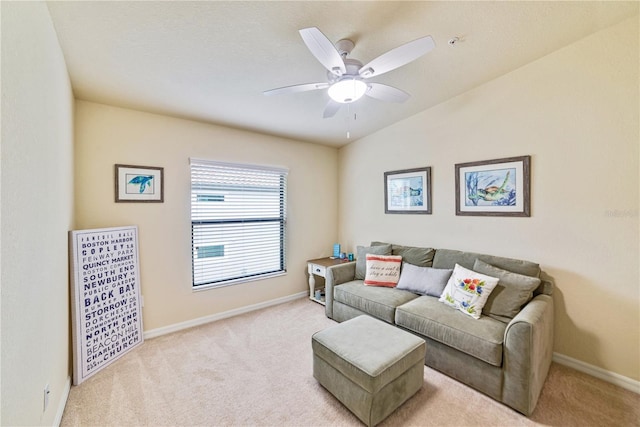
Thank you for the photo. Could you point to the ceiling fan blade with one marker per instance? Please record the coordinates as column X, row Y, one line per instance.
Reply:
column 331, row 109
column 386, row 93
column 296, row 88
column 323, row 50
column 397, row 57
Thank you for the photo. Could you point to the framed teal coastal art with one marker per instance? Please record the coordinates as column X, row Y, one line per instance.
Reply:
column 139, row 183
column 499, row 187
column 408, row 191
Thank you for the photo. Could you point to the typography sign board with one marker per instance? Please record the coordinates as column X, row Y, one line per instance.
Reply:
column 105, row 300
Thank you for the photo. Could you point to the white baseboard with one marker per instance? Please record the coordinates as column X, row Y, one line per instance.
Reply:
column 63, row 403
column 608, row 376
column 153, row 333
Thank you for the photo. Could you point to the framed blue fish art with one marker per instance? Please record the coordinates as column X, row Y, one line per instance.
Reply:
column 139, row 183
column 499, row 187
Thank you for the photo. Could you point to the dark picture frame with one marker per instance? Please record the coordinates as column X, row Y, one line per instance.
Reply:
column 139, row 184
column 499, row 187
column 408, row 191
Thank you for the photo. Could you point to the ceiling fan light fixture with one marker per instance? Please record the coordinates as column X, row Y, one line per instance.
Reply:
column 347, row 90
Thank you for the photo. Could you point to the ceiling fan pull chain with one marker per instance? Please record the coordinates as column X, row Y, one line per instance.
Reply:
column 355, row 117
column 348, row 121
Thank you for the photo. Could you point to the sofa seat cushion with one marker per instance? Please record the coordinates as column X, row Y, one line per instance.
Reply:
column 481, row 338
column 379, row 302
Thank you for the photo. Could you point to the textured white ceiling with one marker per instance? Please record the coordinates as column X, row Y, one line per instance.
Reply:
column 211, row 60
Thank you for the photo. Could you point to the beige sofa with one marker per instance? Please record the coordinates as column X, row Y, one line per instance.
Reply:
column 505, row 357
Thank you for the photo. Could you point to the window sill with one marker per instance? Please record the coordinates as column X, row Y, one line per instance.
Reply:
column 236, row 281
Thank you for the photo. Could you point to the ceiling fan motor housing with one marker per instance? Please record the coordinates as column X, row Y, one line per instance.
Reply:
column 352, row 66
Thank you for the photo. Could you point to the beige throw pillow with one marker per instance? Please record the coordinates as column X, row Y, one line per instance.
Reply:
column 383, row 270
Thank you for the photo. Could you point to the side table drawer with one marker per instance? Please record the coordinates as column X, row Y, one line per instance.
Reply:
column 318, row 270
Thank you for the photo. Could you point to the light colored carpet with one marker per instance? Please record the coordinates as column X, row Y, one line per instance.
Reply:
column 256, row 370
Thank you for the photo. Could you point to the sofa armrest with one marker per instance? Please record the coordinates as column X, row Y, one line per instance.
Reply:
column 334, row 276
column 528, row 349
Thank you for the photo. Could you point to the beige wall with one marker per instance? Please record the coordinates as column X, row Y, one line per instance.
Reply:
column 37, row 208
column 108, row 135
column 576, row 113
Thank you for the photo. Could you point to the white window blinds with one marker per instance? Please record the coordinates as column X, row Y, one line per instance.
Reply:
column 238, row 222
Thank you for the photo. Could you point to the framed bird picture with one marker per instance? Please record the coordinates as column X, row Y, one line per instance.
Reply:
column 139, row 184
column 499, row 187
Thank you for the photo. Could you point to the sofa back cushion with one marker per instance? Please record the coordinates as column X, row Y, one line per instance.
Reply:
column 512, row 292
column 422, row 257
column 447, row 258
column 361, row 261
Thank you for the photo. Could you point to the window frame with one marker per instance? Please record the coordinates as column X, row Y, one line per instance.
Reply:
column 248, row 169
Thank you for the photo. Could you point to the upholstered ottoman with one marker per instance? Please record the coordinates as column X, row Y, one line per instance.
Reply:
column 369, row 366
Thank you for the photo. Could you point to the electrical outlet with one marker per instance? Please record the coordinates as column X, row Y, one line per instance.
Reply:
column 47, row 392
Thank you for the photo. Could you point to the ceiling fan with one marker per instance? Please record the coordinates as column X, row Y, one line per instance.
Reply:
column 347, row 77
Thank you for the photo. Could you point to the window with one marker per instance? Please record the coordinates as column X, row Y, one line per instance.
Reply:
column 238, row 222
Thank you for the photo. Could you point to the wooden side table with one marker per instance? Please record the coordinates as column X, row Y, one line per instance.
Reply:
column 318, row 267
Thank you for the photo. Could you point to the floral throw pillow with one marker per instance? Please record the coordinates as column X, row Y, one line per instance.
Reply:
column 468, row 291
column 383, row 270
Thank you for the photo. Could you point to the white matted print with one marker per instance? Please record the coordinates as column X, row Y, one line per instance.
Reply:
column 408, row 191
column 139, row 183
column 498, row 187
